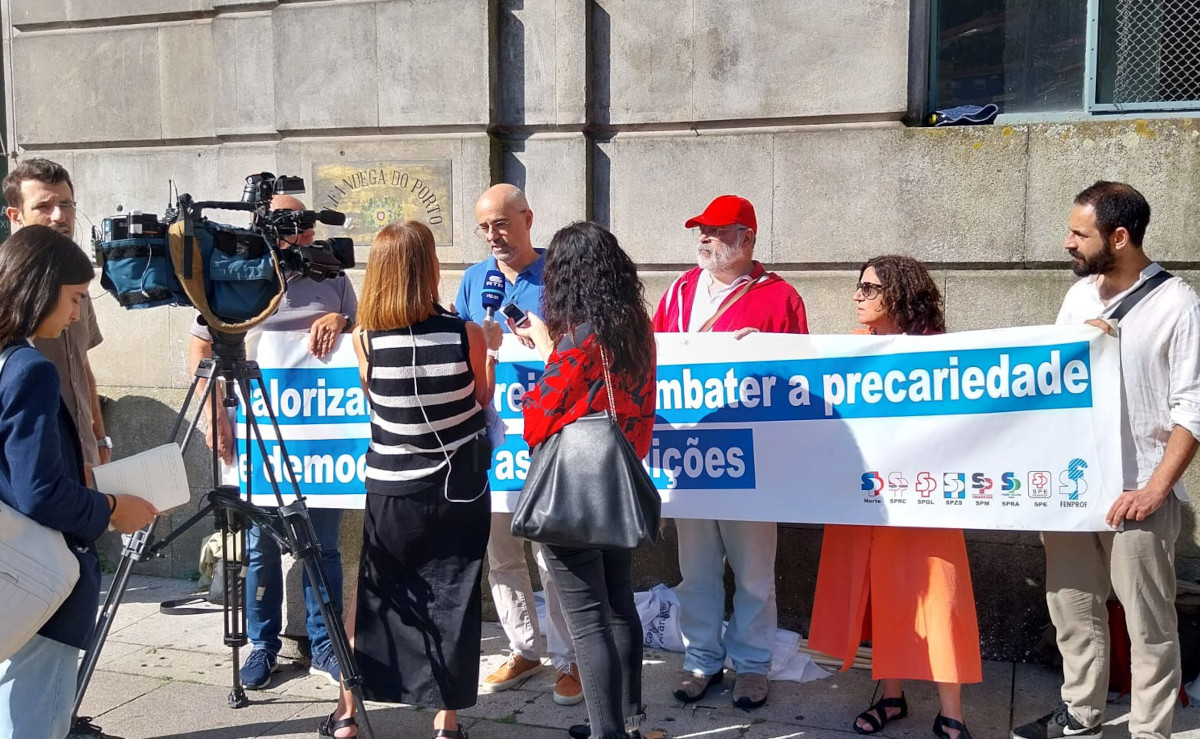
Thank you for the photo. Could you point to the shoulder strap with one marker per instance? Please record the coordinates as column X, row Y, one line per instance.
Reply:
column 728, row 302
column 1135, row 297
column 365, row 342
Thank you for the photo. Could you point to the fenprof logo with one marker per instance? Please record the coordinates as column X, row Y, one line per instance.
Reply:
column 1072, row 482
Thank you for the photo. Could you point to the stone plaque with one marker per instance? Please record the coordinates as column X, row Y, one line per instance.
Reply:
column 374, row 194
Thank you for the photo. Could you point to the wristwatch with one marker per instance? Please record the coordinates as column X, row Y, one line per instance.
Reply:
column 349, row 322
column 104, row 442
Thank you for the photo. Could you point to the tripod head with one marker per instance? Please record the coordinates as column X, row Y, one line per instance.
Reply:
column 227, row 348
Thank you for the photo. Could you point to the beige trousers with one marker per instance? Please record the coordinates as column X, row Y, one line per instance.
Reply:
column 1139, row 565
column 512, row 594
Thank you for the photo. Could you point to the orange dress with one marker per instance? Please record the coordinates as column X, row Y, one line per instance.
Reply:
column 907, row 591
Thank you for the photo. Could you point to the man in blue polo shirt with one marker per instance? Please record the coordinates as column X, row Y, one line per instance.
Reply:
column 504, row 219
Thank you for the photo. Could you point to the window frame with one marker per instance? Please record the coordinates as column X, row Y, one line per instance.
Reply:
column 923, row 56
column 1091, row 78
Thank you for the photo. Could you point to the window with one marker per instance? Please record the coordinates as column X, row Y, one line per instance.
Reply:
column 1047, row 56
column 1147, row 55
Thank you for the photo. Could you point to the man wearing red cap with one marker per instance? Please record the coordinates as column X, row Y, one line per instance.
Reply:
column 728, row 291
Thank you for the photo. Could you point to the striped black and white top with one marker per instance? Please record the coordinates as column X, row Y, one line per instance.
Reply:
column 425, row 366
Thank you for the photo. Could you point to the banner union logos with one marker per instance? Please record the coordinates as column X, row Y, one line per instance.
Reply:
column 1039, row 484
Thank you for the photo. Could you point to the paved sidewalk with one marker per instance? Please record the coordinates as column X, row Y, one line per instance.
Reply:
column 168, row 676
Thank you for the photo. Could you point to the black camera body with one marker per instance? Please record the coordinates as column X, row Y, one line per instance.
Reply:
column 234, row 276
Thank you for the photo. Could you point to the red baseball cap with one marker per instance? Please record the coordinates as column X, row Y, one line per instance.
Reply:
column 726, row 211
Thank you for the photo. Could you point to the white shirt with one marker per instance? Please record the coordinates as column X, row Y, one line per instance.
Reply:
column 1160, row 366
column 705, row 304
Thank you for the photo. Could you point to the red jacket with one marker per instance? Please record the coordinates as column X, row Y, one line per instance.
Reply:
column 771, row 305
column 567, row 391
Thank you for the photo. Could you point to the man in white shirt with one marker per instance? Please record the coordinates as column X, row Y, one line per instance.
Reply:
column 1160, row 365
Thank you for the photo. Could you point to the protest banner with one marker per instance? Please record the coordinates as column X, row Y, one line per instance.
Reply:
column 1004, row 429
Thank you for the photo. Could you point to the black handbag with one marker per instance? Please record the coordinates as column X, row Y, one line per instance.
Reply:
column 587, row 489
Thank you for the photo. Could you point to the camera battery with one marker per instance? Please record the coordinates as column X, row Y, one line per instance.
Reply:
column 131, row 226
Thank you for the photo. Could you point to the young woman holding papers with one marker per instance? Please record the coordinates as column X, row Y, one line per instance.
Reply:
column 43, row 276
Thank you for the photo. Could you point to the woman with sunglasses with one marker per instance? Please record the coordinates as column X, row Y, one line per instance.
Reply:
column 906, row 590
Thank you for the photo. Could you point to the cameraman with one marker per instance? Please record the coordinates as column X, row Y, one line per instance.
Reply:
column 325, row 309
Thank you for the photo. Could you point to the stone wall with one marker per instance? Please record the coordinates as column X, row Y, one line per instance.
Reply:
column 635, row 114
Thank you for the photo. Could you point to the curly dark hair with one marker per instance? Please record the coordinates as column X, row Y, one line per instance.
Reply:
column 590, row 279
column 910, row 295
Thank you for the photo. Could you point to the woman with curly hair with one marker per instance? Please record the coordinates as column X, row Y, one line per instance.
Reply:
column 595, row 319
column 906, row 590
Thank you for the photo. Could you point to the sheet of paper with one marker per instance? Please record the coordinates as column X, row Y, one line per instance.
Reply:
column 156, row 475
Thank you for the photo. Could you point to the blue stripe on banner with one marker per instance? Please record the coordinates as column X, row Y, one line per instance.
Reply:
column 311, row 395
column 321, row 467
column 943, row 383
column 510, row 464
column 696, row 459
column 702, row 459
column 512, row 380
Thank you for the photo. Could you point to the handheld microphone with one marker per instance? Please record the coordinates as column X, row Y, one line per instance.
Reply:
column 493, row 291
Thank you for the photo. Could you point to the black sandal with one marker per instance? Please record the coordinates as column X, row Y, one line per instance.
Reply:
column 941, row 723
column 459, row 733
column 877, row 715
column 330, row 726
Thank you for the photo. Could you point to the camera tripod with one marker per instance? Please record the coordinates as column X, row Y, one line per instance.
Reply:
column 288, row 524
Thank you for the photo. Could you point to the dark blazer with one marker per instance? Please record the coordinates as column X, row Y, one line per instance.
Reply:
column 41, row 475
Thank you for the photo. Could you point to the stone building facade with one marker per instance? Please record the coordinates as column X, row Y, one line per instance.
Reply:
column 631, row 112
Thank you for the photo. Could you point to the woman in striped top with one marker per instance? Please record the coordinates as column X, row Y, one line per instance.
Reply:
column 416, row 625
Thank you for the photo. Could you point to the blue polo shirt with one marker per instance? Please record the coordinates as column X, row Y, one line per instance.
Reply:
column 526, row 292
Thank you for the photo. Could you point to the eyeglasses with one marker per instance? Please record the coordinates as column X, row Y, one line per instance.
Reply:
column 869, row 290
column 500, row 226
column 724, row 233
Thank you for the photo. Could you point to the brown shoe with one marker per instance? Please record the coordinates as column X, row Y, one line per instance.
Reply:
column 750, row 690
column 693, row 686
column 511, row 674
column 567, row 689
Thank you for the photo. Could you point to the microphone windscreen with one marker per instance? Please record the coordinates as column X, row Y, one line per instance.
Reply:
column 492, row 293
column 332, row 217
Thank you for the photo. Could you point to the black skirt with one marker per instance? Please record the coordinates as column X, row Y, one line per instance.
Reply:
column 418, row 620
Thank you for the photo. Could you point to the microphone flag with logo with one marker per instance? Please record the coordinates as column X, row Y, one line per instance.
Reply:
column 493, row 291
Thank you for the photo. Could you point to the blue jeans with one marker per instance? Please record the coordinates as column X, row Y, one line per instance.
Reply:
column 37, row 690
column 264, row 584
column 749, row 547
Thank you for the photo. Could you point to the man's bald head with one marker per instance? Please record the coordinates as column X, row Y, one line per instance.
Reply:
column 288, row 202
column 504, row 218
column 506, row 196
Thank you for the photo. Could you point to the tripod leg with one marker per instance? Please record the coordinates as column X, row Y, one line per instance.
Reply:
column 233, row 542
column 136, row 549
column 303, row 542
column 91, row 655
